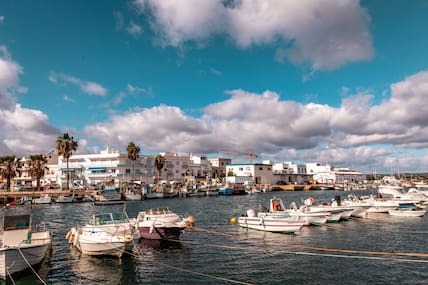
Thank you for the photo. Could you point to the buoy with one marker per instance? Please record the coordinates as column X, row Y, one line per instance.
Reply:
column 233, row 220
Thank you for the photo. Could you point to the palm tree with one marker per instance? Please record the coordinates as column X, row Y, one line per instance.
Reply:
column 133, row 154
column 8, row 168
column 159, row 163
column 38, row 167
column 65, row 146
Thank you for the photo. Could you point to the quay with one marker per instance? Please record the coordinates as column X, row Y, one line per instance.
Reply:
column 8, row 196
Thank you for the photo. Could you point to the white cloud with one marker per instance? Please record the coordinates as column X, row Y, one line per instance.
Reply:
column 1, row 19
column 88, row 87
column 69, row 99
column 359, row 133
column 139, row 90
column 26, row 131
column 134, row 29
column 326, row 34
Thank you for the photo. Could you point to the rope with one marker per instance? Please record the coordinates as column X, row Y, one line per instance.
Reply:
column 324, row 248
column 189, row 271
column 309, row 253
column 31, row 267
column 10, row 275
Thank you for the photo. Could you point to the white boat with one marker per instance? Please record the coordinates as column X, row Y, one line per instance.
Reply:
column 212, row 192
column 104, row 234
column 43, row 199
column 21, row 246
column 336, row 211
column 270, row 222
column 162, row 223
column 132, row 196
column 64, row 199
column 408, row 210
column 276, row 206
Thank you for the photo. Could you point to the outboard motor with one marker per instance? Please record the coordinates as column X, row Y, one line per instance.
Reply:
column 337, row 199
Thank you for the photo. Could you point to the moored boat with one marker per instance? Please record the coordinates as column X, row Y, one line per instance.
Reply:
column 277, row 223
column 162, row 223
column 407, row 210
column 21, row 246
column 43, row 199
column 108, row 194
column 104, row 234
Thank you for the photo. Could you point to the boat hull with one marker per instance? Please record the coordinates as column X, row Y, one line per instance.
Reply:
column 277, row 225
column 160, row 232
column 11, row 260
column 403, row 213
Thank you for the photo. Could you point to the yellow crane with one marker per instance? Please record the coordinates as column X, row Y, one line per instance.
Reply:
column 250, row 154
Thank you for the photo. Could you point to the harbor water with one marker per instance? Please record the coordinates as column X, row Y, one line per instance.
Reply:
column 379, row 250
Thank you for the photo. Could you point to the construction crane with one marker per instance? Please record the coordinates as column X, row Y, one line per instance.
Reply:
column 250, row 154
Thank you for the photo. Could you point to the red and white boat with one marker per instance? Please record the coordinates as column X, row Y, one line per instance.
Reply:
column 162, row 223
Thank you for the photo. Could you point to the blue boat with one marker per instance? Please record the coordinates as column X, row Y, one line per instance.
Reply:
column 225, row 191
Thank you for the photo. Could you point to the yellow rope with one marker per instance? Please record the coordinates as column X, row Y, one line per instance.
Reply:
column 189, row 271
column 411, row 254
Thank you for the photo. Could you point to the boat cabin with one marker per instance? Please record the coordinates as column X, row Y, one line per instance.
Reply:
column 16, row 226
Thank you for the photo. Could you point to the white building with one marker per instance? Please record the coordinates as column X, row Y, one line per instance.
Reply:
column 107, row 166
column 258, row 173
column 331, row 175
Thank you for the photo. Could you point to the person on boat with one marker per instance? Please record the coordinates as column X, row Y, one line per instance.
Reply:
column 275, row 205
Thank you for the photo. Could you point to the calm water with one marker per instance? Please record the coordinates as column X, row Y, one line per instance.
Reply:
column 218, row 252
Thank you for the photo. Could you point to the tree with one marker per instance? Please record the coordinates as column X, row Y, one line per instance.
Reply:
column 133, row 154
column 8, row 168
column 65, row 146
column 38, row 167
column 159, row 163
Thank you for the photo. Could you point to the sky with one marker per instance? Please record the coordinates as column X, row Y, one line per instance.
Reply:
column 343, row 82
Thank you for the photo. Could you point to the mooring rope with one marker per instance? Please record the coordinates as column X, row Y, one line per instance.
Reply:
column 31, row 267
column 408, row 254
column 188, row 270
column 10, row 275
column 305, row 253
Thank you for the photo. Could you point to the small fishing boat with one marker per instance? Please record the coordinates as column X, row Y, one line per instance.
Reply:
column 43, row 199
column 108, row 194
column 407, row 210
column 64, row 199
column 162, row 223
column 132, row 196
column 225, row 191
column 21, row 246
column 278, row 223
column 104, row 234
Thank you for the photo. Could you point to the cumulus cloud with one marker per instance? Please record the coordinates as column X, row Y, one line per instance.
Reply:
column 323, row 34
column 9, row 79
column 22, row 131
column 358, row 133
column 26, row 131
column 88, row 87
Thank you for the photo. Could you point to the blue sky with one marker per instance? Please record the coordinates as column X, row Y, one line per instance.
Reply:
column 342, row 81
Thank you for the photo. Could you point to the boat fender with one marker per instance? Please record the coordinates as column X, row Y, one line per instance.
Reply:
column 233, row 220
column 67, row 236
column 75, row 240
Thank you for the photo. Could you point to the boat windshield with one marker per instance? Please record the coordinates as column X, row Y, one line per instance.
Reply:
column 110, row 218
column 158, row 211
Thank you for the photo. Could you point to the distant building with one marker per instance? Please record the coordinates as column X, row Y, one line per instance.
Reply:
column 257, row 173
column 218, row 166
